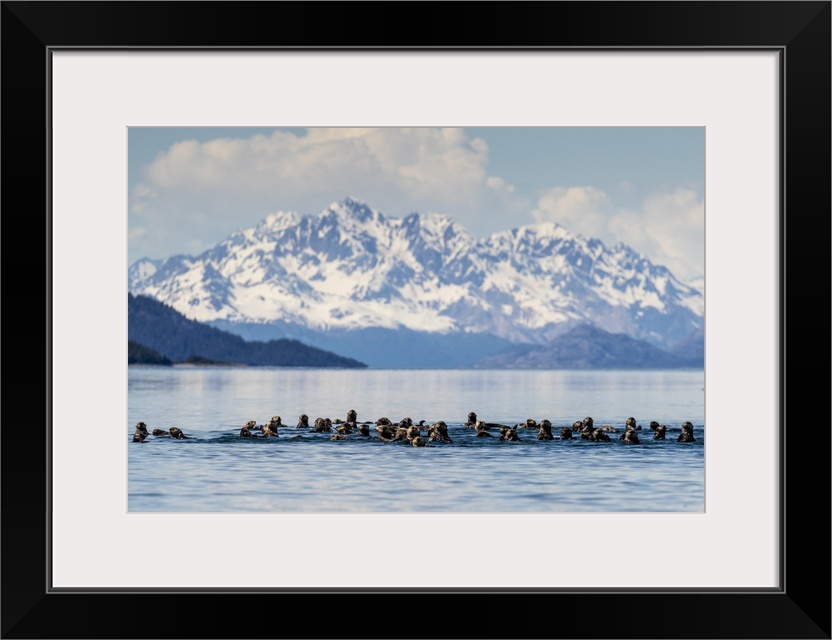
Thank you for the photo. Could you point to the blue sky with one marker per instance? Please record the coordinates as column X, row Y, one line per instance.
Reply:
column 189, row 188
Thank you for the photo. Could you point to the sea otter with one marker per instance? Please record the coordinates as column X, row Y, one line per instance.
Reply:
column 545, row 432
column 383, row 421
column 659, row 430
column 631, row 422
column 565, row 433
column 418, row 441
column 587, row 426
column 345, row 428
column 600, row 436
column 352, row 416
column 160, row 432
column 303, row 421
column 389, row 433
column 528, row 424
column 322, row 425
column 141, row 432
column 270, row 429
column 245, row 432
column 338, row 436
column 687, row 433
column 509, row 435
column 472, row 421
column 363, row 429
column 177, row 434
column 438, row 432
column 413, row 431
column 487, row 426
column 629, row 436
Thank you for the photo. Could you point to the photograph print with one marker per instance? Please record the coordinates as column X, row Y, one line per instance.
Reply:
column 447, row 320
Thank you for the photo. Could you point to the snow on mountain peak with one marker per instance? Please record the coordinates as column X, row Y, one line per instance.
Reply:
column 279, row 220
column 350, row 267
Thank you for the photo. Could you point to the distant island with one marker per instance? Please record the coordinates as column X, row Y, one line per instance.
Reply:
column 588, row 347
column 158, row 334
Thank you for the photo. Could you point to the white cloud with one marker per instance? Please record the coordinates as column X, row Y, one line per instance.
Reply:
column 583, row 210
column 668, row 228
column 229, row 183
column 418, row 163
column 196, row 193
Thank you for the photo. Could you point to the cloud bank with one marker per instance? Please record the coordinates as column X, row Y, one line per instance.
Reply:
column 669, row 227
column 202, row 191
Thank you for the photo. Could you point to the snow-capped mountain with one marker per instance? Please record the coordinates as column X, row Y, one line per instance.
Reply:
column 351, row 268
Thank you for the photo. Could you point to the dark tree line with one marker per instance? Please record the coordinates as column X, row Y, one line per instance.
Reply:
column 161, row 328
column 140, row 354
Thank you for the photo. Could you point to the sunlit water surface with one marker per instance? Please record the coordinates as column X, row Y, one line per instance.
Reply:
column 215, row 470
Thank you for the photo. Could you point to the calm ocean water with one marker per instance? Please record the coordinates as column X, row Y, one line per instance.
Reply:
column 215, row 470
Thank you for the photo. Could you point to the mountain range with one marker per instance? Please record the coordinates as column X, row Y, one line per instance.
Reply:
column 421, row 290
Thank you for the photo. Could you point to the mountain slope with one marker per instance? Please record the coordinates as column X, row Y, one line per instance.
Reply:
column 160, row 328
column 351, row 268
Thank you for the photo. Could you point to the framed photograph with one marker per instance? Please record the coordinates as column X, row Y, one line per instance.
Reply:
column 357, row 316
column 112, row 110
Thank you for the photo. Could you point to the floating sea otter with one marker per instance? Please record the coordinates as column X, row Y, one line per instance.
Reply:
column 528, row 424
column 484, row 427
column 630, row 436
column 303, row 421
column 141, row 432
column 345, row 428
column 599, row 435
column 659, row 430
column 472, row 421
column 545, row 432
column 322, row 425
column 270, row 429
column 177, row 434
column 386, row 432
column 418, row 441
column 587, row 426
column 482, row 430
column 565, row 433
column 438, row 432
column 245, row 432
column 160, row 432
column 687, row 433
column 509, row 434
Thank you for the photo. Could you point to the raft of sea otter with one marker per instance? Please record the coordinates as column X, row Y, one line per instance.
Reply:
column 409, row 433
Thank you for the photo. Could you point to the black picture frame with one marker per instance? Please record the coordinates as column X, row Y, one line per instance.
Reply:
column 800, row 608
